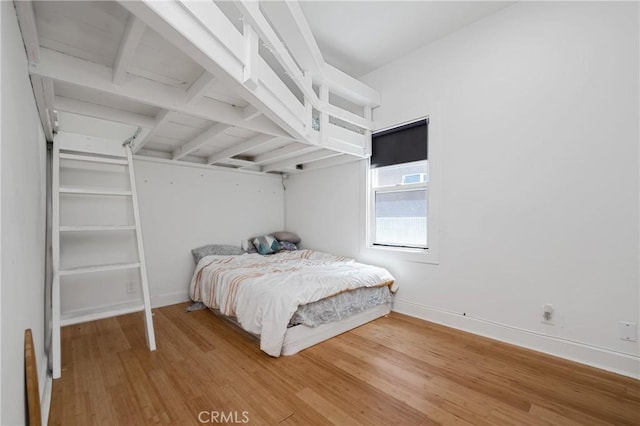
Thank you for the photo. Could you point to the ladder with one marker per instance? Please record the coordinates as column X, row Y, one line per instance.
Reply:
column 90, row 152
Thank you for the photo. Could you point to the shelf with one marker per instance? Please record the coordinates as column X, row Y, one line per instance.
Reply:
column 94, row 191
column 122, row 309
column 99, row 268
column 90, row 159
column 88, row 228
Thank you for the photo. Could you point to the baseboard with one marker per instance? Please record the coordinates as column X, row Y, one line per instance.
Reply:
column 169, row 299
column 45, row 383
column 156, row 302
column 624, row 364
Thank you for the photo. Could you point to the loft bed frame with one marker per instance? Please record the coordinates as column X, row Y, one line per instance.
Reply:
column 239, row 85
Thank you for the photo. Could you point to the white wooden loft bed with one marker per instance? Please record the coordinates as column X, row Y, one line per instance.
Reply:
column 237, row 84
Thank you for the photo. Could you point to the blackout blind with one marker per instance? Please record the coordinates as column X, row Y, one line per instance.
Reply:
column 399, row 145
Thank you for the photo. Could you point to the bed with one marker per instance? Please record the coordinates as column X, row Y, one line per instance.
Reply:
column 294, row 299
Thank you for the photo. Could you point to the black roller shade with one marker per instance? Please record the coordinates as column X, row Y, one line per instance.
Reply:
column 402, row 144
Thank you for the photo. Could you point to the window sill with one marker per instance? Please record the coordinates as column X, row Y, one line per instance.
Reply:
column 403, row 253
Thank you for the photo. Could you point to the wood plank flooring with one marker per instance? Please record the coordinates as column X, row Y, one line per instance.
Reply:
column 396, row 370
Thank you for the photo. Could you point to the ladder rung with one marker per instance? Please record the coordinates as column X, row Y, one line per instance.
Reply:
column 81, row 228
column 88, row 158
column 69, row 319
column 99, row 268
column 94, row 191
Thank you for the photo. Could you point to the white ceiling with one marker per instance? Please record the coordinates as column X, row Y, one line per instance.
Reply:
column 361, row 36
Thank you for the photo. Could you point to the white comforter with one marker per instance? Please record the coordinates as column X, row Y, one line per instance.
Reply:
column 263, row 292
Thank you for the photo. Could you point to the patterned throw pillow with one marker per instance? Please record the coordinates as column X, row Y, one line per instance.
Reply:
column 287, row 246
column 266, row 244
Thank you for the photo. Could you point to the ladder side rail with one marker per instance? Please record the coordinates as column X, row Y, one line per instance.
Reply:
column 148, row 319
column 55, row 242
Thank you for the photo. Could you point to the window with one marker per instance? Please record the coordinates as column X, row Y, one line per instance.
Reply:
column 399, row 187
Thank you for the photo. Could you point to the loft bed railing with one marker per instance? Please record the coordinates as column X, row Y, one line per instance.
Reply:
column 280, row 72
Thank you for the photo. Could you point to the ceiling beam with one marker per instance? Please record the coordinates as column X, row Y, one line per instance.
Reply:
column 27, row 22
column 199, row 87
column 160, row 118
column 239, row 148
column 128, row 45
column 330, row 162
column 43, row 94
column 250, row 112
column 88, row 109
column 292, row 163
column 202, row 139
column 287, row 151
column 61, row 67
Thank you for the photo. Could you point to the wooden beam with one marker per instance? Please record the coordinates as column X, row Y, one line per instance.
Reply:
column 43, row 94
column 348, row 87
column 287, row 151
column 292, row 163
column 199, row 87
column 239, row 163
column 251, row 56
column 202, row 139
column 161, row 118
column 254, row 18
column 239, row 148
column 345, row 141
column 128, row 45
column 175, row 21
column 368, row 114
column 330, row 162
column 324, row 116
column 61, row 67
column 347, row 116
column 293, row 28
column 88, row 109
column 250, row 112
column 27, row 22
column 47, row 90
column 217, row 24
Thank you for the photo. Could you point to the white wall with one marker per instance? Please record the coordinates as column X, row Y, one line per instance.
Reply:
column 538, row 115
column 181, row 208
column 23, row 154
column 185, row 207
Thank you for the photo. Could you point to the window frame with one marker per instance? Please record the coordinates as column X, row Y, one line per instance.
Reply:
column 422, row 255
column 394, row 189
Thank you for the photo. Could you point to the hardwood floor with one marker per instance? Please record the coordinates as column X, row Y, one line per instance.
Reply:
column 395, row 370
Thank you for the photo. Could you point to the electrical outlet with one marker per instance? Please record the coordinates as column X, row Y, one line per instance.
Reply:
column 132, row 287
column 547, row 314
column 627, row 330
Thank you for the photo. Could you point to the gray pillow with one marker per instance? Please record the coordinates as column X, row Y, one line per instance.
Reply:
column 215, row 249
column 290, row 237
column 248, row 247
